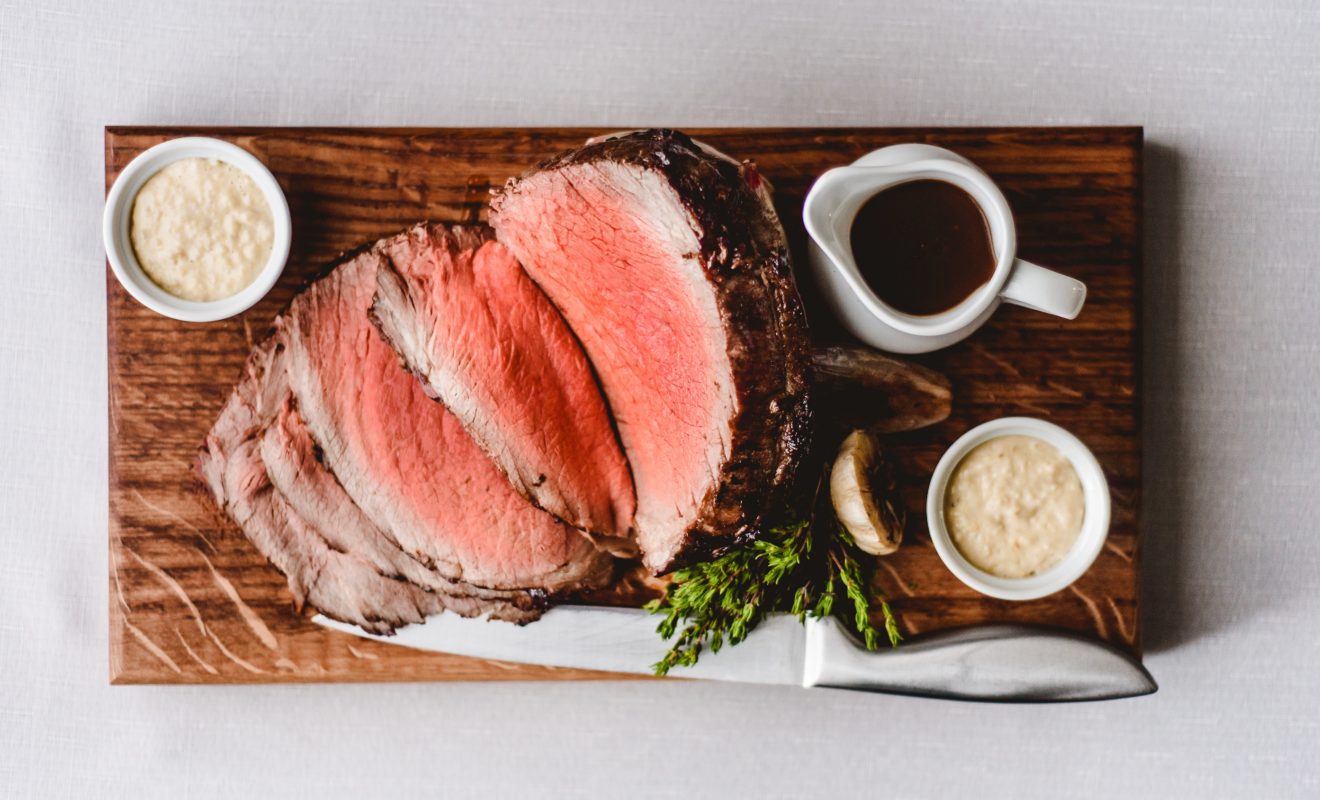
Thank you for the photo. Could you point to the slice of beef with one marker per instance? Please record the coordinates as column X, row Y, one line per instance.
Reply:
column 295, row 469
column 486, row 342
column 338, row 583
column 670, row 266
column 407, row 462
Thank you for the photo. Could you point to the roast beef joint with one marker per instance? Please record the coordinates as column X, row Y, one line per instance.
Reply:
column 481, row 420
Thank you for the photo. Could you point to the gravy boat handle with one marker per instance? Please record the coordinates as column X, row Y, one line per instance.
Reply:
column 1040, row 289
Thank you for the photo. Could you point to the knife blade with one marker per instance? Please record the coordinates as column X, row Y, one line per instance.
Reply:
column 1003, row 663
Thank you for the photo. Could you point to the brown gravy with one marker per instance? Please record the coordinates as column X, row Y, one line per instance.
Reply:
column 923, row 246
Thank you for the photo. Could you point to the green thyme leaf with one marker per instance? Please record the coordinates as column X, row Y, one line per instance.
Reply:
column 800, row 568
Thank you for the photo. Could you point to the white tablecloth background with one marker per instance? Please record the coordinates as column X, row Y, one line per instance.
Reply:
column 1229, row 93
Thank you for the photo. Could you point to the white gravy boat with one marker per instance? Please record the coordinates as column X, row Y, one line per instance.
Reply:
column 832, row 204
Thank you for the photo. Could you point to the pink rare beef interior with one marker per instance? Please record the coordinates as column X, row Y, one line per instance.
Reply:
column 486, row 342
column 324, row 567
column 406, row 461
column 614, row 248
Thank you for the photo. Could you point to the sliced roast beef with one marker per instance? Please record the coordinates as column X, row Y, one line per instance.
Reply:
column 486, row 342
column 406, row 461
column 295, row 469
column 339, row 583
column 671, row 268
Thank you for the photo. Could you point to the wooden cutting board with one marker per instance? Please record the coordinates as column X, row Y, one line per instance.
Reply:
column 192, row 602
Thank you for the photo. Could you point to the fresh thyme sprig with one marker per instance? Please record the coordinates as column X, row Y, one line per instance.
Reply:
column 793, row 568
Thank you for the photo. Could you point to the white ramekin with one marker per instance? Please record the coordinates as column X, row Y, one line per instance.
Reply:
column 1095, row 523
column 119, row 209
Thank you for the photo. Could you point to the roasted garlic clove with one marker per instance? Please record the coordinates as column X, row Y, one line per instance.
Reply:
column 862, row 488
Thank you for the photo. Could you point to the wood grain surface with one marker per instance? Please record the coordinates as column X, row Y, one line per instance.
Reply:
column 191, row 601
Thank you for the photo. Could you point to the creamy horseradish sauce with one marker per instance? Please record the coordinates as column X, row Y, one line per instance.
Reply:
column 202, row 229
column 1014, row 506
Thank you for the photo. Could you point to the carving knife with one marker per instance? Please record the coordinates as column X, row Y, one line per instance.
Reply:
column 1000, row 663
column 988, row 663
